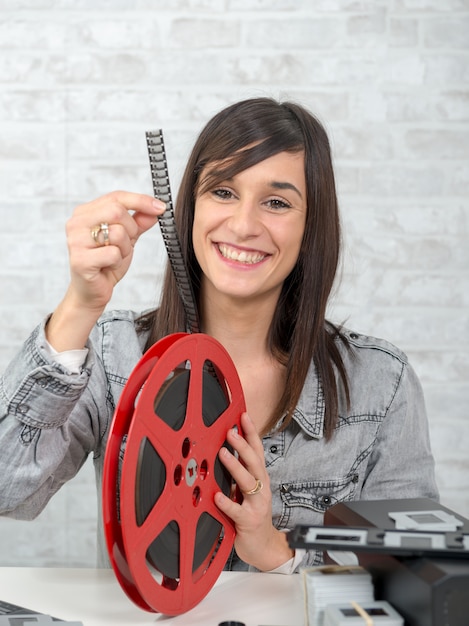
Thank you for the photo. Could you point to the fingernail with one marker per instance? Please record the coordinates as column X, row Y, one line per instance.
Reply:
column 219, row 497
column 159, row 205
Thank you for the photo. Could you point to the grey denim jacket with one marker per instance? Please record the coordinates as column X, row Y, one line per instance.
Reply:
column 51, row 420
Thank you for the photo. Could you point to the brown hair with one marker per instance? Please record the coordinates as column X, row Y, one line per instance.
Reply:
column 299, row 332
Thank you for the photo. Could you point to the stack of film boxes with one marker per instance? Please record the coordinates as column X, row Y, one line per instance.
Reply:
column 342, row 595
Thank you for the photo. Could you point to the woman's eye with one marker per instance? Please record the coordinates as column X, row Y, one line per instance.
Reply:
column 223, row 194
column 276, row 203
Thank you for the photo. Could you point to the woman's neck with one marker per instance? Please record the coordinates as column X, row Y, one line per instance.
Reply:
column 241, row 327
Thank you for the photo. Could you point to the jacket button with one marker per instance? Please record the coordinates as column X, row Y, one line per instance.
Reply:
column 355, row 478
column 23, row 408
column 284, row 489
column 326, row 500
column 273, row 449
column 353, row 336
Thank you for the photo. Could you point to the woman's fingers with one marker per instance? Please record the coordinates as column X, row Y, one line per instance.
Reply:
column 246, row 465
column 134, row 213
column 250, row 451
column 101, row 235
column 251, row 435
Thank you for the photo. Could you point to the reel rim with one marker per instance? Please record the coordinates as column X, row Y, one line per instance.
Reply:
column 127, row 542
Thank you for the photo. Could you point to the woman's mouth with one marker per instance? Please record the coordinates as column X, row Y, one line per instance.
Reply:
column 241, row 256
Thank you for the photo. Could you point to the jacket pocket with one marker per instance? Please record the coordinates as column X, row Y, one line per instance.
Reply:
column 318, row 495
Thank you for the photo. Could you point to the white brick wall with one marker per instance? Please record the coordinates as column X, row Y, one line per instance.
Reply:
column 81, row 81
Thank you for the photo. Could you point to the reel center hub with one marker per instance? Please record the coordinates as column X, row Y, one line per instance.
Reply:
column 192, row 471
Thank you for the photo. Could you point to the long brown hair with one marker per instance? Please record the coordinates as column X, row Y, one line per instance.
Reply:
column 238, row 137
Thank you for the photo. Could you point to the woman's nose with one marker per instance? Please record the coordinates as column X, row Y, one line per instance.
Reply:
column 244, row 219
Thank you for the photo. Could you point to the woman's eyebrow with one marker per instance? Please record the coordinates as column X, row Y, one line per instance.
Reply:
column 276, row 184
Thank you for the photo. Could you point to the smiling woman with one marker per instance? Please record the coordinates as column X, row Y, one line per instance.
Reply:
column 247, row 237
column 331, row 415
column 262, row 145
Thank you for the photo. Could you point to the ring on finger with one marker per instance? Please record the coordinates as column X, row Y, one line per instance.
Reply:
column 256, row 489
column 100, row 229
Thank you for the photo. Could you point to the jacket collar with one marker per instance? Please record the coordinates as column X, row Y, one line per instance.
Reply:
column 310, row 410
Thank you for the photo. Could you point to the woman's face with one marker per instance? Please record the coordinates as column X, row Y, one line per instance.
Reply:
column 248, row 230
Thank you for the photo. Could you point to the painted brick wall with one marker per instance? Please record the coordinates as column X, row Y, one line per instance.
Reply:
column 80, row 82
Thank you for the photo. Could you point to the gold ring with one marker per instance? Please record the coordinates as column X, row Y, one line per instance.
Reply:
column 103, row 229
column 255, row 489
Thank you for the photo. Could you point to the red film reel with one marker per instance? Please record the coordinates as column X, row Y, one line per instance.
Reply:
column 167, row 540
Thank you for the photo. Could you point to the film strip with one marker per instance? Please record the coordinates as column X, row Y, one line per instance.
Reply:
column 162, row 190
column 166, row 539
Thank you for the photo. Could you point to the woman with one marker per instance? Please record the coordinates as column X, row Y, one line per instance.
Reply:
column 331, row 415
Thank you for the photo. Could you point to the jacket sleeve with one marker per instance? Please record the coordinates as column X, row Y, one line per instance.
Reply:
column 49, row 423
column 401, row 464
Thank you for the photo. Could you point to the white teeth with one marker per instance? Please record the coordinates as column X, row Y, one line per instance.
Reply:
column 242, row 257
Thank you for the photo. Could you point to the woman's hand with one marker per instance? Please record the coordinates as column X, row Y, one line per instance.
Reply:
column 98, row 263
column 97, row 268
column 257, row 542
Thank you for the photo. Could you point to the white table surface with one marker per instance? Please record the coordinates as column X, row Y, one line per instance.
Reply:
column 94, row 597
